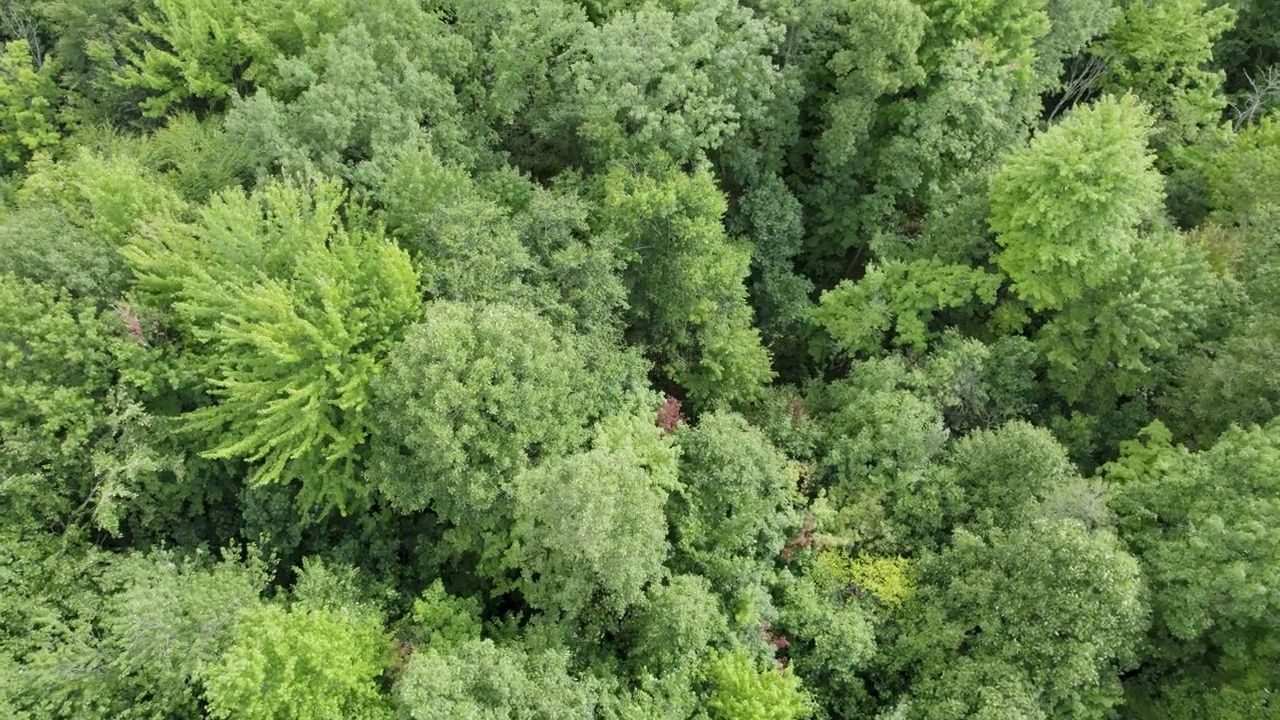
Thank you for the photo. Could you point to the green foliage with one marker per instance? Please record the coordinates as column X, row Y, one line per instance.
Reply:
column 468, row 246
column 109, row 195
column 478, row 680
column 881, row 439
column 830, row 641
column 473, row 396
column 772, row 220
column 28, row 101
column 292, row 317
column 686, row 282
column 1066, row 211
column 898, row 300
column 1066, row 208
column 985, row 690
column 1161, row 51
column 170, row 622
column 736, row 505
column 1060, row 605
column 980, row 385
column 661, row 359
column 742, row 691
column 302, row 662
column 589, row 529
column 671, row 82
column 1231, row 379
column 1072, row 24
column 202, row 50
column 197, row 157
column 43, row 245
column 75, row 435
column 1007, row 31
column 1237, row 178
column 1203, row 526
column 887, row 579
column 347, row 106
column 856, row 55
column 675, row 624
column 137, row 641
column 444, row 620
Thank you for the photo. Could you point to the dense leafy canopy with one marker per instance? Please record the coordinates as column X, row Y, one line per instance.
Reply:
column 640, row 359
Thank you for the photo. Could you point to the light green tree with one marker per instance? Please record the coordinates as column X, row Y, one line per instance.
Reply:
column 28, row 103
column 1067, row 212
column 318, row 658
column 1162, row 50
column 896, row 302
column 740, row 690
column 200, row 50
column 292, row 317
column 1066, row 209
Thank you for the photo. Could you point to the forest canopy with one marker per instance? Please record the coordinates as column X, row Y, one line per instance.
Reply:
column 640, row 359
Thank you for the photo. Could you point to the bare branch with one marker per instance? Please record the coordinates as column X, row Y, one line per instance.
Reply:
column 1082, row 80
column 18, row 23
column 1262, row 90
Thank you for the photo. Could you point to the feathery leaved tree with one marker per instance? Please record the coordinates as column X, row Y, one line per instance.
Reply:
column 289, row 317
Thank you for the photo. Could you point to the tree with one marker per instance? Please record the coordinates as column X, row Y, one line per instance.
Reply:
column 291, row 317
column 473, row 396
column 847, row 91
column 28, row 102
column 467, row 245
column 109, row 195
column 981, row 690
column 1235, row 176
column 76, row 435
column 172, row 619
column 674, row 626
column 1203, row 526
column 1072, row 25
column 42, row 245
column 199, row 50
column 589, row 532
column 895, row 304
column 770, row 217
column 1058, row 604
column 685, row 278
column 1008, row 32
column 658, row 84
column 742, row 691
column 365, row 91
column 736, row 505
column 132, row 636
column 830, row 639
column 880, row 440
column 990, row 478
column 479, row 680
column 1161, row 51
column 1066, row 208
column 321, row 657
column 1066, row 211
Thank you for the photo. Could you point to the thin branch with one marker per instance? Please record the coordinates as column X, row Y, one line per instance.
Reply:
column 21, row 25
column 1085, row 74
column 1262, row 89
